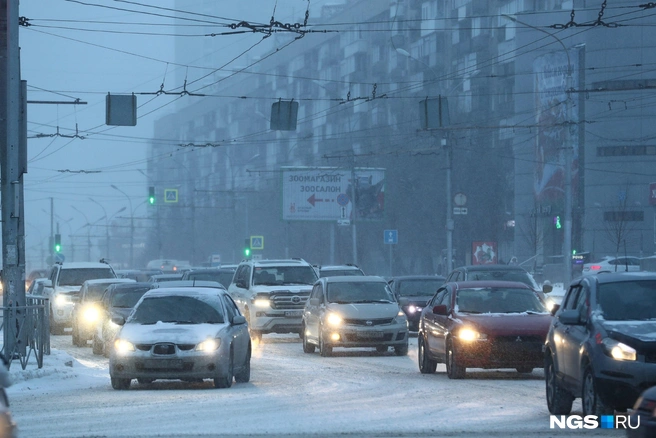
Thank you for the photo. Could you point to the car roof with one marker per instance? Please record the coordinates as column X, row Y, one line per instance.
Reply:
column 78, row 265
column 131, row 285
column 109, row 280
column 279, row 262
column 211, row 270
column 340, row 267
column 354, row 279
column 489, row 283
column 188, row 283
column 613, row 277
column 185, row 291
column 496, row 267
column 418, row 277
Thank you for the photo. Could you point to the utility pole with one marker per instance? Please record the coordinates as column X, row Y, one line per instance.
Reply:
column 355, row 213
column 449, row 209
column 13, row 164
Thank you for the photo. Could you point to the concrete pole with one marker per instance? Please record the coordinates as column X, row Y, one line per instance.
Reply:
column 449, row 209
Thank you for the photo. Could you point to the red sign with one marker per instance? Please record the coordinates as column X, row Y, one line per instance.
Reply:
column 652, row 193
column 484, row 253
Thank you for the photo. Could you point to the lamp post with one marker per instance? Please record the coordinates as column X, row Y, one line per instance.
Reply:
column 131, row 225
column 567, row 223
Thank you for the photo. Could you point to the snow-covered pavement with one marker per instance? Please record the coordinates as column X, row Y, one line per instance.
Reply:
column 355, row 393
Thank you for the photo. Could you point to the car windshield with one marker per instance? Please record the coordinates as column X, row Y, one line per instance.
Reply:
column 178, row 309
column 222, row 277
column 419, row 288
column 520, row 276
column 280, row 275
column 498, row 300
column 95, row 291
column 127, row 299
column 358, row 292
column 340, row 272
column 627, row 300
column 75, row 277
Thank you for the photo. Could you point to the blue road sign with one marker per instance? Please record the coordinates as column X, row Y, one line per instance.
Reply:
column 342, row 199
column 391, row 237
column 170, row 195
column 257, row 242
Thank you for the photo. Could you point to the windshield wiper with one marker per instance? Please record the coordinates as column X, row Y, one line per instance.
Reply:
column 373, row 301
column 184, row 322
column 468, row 311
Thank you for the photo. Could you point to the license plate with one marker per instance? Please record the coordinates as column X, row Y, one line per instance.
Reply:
column 169, row 364
column 371, row 335
column 294, row 313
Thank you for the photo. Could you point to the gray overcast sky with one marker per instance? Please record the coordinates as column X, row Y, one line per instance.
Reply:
column 75, row 50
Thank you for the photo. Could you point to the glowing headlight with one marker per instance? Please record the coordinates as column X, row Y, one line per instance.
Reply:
column 469, row 335
column 401, row 313
column 550, row 304
column 261, row 302
column 91, row 314
column 334, row 319
column 618, row 350
column 122, row 346
column 209, row 345
column 412, row 309
column 60, row 300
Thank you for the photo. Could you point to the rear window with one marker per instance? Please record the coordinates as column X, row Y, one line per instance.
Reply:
column 519, row 276
column 340, row 272
column 627, row 300
column 419, row 288
column 77, row 276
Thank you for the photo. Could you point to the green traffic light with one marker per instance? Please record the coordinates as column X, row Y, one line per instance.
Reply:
column 151, row 200
column 247, row 252
column 57, row 248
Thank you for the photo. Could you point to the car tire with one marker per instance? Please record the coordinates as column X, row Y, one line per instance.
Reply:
column 226, row 380
column 244, row 374
column 307, row 347
column 426, row 365
column 324, row 350
column 106, row 348
column 256, row 336
column 55, row 329
column 559, row 401
column 97, row 346
column 144, row 381
column 524, row 370
column 120, row 384
column 401, row 350
column 591, row 403
column 453, row 370
column 76, row 337
column 382, row 348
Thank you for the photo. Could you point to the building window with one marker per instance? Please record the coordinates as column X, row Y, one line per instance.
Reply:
column 624, row 216
column 624, row 151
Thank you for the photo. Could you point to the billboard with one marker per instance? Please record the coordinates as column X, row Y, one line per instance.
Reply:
column 325, row 193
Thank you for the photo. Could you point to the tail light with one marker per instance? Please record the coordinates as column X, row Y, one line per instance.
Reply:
column 595, row 267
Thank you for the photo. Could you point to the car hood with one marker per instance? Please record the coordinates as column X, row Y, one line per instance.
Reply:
column 295, row 288
column 502, row 324
column 417, row 301
column 365, row 310
column 67, row 289
column 631, row 331
column 169, row 332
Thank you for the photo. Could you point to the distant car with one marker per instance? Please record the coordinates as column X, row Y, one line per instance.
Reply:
column 187, row 283
column 185, row 333
column 222, row 275
column 339, row 270
column 118, row 300
column 353, row 311
column 137, row 274
column 612, row 264
column 413, row 292
column 33, row 275
column 159, row 278
column 601, row 344
column 644, row 413
column 482, row 324
column 36, row 286
column 86, row 310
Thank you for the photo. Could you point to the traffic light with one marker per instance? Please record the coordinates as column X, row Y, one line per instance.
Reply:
column 151, row 195
column 557, row 223
column 247, row 247
column 57, row 242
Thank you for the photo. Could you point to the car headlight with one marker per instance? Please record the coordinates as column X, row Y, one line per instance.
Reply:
column 60, row 300
column 91, row 314
column 261, row 302
column 122, row 346
column 470, row 335
column 208, row 345
column 413, row 309
column 401, row 313
column 618, row 350
column 334, row 319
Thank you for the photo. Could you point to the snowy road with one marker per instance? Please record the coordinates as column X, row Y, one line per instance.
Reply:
column 355, row 393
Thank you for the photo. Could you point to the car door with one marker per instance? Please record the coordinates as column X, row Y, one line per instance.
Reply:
column 238, row 333
column 576, row 335
column 564, row 344
column 431, row 327
column 311, row 313
column 443, row 324
column 239, row 289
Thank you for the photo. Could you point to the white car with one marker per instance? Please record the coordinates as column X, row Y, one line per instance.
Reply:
column 612, row 264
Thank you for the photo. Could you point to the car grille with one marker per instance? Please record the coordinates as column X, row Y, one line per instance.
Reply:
column 518, row 339
column 164, row 349
column 355, row 337
column 289, row 300
column 368, row 322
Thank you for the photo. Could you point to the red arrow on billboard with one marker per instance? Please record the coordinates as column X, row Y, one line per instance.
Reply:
column 312, row 200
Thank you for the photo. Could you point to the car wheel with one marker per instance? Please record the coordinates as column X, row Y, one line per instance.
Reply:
column 453, row 370
column 426, row 365
column 324, row 350
column 226, row 380
column 559, row 401
column 382, row 349
column 144, row 381
column 120, row 383
column 97, row 346
column 524, row 370
column 256, row 336
column 591, row 403
column 244, row 374
column 307, row 347
column 106, row 349
column 401, row 350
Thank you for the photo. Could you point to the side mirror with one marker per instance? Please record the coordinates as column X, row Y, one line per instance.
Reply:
column 440, row 310
column 570, row 317
column 315, row 301
column 546, row 288
column 118, row 320
column 555, row 309
column 238, row 320
column 47, row 283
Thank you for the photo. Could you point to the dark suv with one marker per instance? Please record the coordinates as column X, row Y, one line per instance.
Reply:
column 601, row 344
column 498, row 273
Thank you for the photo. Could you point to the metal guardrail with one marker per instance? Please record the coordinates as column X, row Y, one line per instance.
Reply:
column 28, row 329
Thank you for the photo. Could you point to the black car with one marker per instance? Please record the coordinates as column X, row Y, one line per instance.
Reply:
column 601, row 344
column 644, row 414
column 413, row 292
column 222, row 275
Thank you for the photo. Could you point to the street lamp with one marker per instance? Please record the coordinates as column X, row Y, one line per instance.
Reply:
column 567, row 223
column 131, row 225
